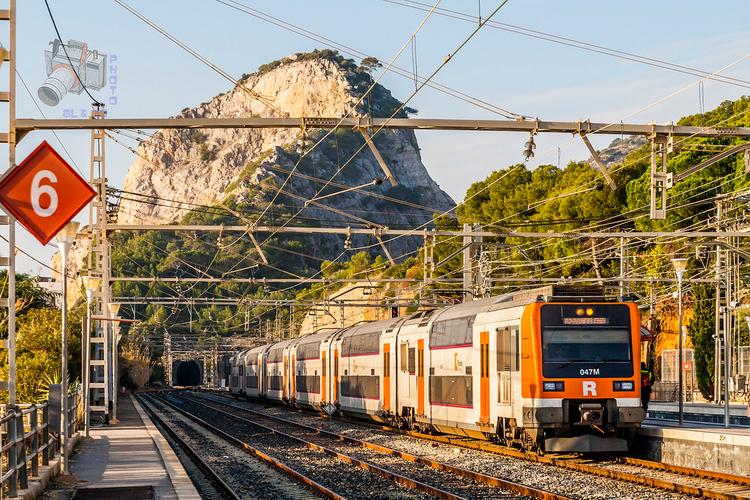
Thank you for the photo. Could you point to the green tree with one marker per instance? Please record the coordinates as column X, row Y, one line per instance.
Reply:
column 39, row 351
column 701, row 332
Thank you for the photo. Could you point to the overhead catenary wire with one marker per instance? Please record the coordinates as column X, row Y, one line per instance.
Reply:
column 591, row 47
column 447, row 59
column 348, row 50
column 198, row 56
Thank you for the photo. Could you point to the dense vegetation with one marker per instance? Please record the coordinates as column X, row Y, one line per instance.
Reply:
column 38, row 340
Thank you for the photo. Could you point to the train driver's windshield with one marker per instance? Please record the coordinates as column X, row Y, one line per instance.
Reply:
column 571, row 345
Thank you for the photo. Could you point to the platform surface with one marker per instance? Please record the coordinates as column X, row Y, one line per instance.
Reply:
column 126, row 455
column 739, row 414
column 706, row 432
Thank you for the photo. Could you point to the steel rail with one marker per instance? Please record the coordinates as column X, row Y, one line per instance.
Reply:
column 26, row 125
column 688, row 471
column 489, row 447
column 568, row 464
column 194, row 456
column 362, row 464
column 476, row 476
column 254, row 451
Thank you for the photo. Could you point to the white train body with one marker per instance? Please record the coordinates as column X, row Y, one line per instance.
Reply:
column 459, row 369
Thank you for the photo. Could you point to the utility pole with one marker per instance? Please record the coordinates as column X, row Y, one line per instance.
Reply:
column 624, row 288
column 471, row 245
column 100, row 364
column 661, row 180
column 10, row 261
column 723, row 314
column 168, row 357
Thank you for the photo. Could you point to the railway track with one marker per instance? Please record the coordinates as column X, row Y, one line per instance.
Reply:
column 684, row 480
column 213, row 486
column 246, row 470
column 431, row 477
column 676, row 479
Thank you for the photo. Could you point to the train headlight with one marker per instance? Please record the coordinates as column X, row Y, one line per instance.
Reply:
column 625, row 385
column 554, row 386
column 589, row 311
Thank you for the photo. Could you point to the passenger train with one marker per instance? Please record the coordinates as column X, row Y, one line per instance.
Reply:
column 555, row 369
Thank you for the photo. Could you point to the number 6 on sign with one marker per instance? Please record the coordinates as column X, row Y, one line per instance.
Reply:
column 44, row 193
column 37, row 191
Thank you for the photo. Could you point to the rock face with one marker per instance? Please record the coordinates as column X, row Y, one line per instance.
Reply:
column 176, row 170
column 618, row 149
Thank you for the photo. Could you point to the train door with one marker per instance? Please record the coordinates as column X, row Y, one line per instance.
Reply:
column 507, row 363
column 420, row 377
column 323, row 378
column 293, row 380
column 335, row 374
column 285, row 377
column 484, row 377
column 386, row 377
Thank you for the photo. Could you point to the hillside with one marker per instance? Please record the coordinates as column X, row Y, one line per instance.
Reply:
column 230, row 176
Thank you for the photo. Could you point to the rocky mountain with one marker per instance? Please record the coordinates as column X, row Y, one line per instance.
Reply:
column 177, row 171
column 618, row 149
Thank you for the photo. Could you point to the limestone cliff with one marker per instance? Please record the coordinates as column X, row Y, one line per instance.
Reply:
column 176, row 170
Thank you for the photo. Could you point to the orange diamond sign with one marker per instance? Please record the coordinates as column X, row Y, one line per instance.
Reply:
column 44, row 193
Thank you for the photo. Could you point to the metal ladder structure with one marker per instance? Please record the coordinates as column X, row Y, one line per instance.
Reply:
column 9, row 97
column 100, row 340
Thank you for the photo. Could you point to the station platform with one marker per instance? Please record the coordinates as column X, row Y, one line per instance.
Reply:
column 129, row 460
column 700, row 445
column 703, row 413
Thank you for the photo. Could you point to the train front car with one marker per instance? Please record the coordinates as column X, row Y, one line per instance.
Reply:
column 580, row 374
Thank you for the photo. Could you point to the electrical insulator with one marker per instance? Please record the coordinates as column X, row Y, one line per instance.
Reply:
column 528, row 148
column 347, row 244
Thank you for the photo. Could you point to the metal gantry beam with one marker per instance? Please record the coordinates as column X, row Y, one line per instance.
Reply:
column 262, row 281
column 412, row 232
column 174, row 301
column 25, row 125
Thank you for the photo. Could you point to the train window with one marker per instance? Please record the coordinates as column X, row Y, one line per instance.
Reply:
column 310, row 350
column 359, row 344
column 572, row 352
column 452, row 332
column 507, row 349
column 404, row 356
column 412, row 361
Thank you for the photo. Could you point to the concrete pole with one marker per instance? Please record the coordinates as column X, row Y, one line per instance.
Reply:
column 622, row 266
column 680, row 341
column 85, row 369
column 11, row 219
column 65, row 403
column 726, row 366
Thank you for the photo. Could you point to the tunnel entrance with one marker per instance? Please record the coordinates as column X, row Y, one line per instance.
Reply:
column 188, row 373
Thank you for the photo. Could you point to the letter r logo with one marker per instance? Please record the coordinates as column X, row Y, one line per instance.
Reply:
column 589, row 388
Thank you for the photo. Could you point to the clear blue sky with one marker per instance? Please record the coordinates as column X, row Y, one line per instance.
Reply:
column 534, row 77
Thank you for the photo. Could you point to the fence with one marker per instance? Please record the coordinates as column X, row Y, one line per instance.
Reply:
column 26, row 440
column 666, row 389
column 744, row 360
